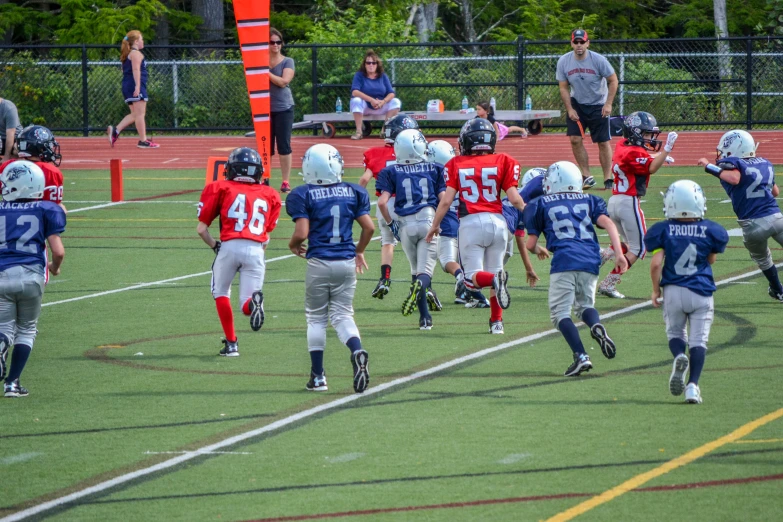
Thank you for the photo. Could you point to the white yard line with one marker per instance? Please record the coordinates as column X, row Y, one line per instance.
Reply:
column 287, row 421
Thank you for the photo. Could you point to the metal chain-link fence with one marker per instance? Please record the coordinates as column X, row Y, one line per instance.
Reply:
column 685, row 83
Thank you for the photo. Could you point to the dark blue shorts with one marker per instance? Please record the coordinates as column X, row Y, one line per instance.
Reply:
column 127, row 92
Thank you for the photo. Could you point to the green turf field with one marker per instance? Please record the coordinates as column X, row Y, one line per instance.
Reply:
column 125, row 376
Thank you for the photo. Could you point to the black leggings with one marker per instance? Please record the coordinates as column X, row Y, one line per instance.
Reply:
column 282, row 125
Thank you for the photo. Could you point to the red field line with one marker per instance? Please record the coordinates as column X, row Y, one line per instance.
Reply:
column 189, row 152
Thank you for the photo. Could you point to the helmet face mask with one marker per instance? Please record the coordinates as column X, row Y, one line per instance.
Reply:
column 684, row 199
column 641, row 129
column 440, row 151
column 736, row 144
column 322, row 164
column 244, row 165
column 22, row 180
column 477, row 136
column 563, row 176
column 410, row 147
column 38, row 143
column 392, row 127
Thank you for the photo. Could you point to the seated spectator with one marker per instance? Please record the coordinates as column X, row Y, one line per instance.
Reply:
column 485, row 110
column 372, row 92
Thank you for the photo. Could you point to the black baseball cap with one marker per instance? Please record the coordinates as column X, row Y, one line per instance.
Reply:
column 579, row 34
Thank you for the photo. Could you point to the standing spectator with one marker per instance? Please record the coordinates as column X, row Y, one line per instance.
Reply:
column 372, row 92
column 593, row 84
column 485, row 110
column 281, row 72
column 9, row 128
column 134, row 89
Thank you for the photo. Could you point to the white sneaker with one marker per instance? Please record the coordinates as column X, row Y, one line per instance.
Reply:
column 692, row 394
column 611, row 292
column 677, row 378
column 496, row 328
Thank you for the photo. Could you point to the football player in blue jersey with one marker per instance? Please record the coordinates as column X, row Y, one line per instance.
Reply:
column 27, row 224
column 532, row 184
column 324, row 210
column 567, row 217
column 750, row 183
column 418, row 185
column 684, row 246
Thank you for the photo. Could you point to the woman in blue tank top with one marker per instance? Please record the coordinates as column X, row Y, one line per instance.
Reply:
column 134, row 89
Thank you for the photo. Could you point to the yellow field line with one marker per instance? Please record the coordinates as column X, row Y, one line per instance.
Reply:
column 680, row 461
column 758, row 441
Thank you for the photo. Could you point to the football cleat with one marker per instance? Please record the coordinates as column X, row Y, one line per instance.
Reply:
column 425, row 323
column 433, row 302
column 607, row 254
column 360, row 361
column 4, row 344
column 382, row 288
column 496, row 328
column 409, row 305
column 677, row 378
column 588, row 183
column 317, row 382
column 477, row 303
column 581, row 364
column 230, row 349
column 499, row 283
column 462, row 298
column 692, row 394
column 775, row 295
column 608, row 184
column 611, row 292
column 14, row 389
column 257, row 310
column 598, row 332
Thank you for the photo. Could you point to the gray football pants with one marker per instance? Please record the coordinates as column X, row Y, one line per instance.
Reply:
column 421, row 255
column 682, row 307
column 21, row 293
column 756, row 232
column 330, row 287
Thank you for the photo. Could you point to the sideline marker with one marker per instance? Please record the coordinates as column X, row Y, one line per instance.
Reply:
column 116, row 180
column 215, row 166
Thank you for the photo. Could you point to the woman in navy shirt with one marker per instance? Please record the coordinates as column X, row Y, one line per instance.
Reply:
column 134, row 89
column 372, row 92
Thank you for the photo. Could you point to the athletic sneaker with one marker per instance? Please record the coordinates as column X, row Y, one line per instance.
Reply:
column 231, row 349
column 692, row 394
column 4, row 344
column 382, row 288
column 677, row 378
column 360, row 360
column 598, row 332
column 433, row 302
column 113, row 135
column 588, row 183
column 462, row 298
column 608, row 287
column 581, row 364
column 425, row 323
column 285, row 187
column 775, row 295
column 14, row 389
column 409, row 305
column 477, row 303
column 496, row 328
column 499, row 283
column 147, row 144
column 608, row 184
column 317, row 382
column 257, row 310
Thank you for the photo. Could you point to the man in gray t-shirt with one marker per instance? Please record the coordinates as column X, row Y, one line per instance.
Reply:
column 587, row 86
column 9, row 128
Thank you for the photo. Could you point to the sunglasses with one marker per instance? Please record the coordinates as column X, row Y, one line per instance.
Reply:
column 275, row 42
column 371, row 63
column 579, row 42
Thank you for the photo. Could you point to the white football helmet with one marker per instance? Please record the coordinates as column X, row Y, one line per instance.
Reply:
column 22, row 180
column 563, row 176
column 530, row 174
column 410, row 147
column 440, row 151
column 322, row 165
column 737, row 144
column 684, row 199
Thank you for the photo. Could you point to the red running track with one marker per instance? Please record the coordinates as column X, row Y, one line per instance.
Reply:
column 190, row 152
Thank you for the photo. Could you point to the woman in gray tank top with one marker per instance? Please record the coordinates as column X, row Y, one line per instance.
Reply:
column 281, row 72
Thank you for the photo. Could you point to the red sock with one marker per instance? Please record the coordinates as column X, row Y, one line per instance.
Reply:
column 226, row 316
column 484, row 279
column 495, row 312
column 246, row 307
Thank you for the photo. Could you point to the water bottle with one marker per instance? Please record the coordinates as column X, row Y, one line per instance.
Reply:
column 492, row 103
column 465, row 103
column 338, row 107
column 528, row 103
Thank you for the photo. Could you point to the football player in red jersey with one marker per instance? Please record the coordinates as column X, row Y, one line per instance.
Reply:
column 37, row 144
column 248, row 212
column 478, row 175
column 632, row 165
column 375, row 160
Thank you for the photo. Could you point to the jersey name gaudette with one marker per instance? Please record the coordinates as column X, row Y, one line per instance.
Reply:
column 332, row 192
